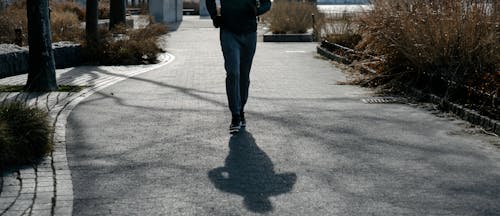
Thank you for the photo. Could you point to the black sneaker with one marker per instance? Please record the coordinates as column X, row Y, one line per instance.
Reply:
column 242, row 120
column 235, row 125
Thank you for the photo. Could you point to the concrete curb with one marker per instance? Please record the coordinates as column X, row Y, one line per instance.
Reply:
column 270, row 37
column 466, row 114
column 332, row 56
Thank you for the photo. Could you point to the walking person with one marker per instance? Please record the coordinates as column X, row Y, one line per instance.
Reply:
column 238, row 38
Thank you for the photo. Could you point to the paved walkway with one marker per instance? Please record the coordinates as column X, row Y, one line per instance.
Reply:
column 158, row 144
column 46, row 188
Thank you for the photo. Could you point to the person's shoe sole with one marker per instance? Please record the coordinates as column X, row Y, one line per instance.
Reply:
column 234, row 130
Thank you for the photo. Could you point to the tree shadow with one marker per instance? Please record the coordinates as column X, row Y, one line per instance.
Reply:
column 249, row 172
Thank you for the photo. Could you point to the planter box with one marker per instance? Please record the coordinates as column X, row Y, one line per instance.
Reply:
column 14, row 59
column 270, row 37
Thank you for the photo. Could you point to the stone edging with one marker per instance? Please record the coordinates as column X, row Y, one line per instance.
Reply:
column 332, row 56
column 270, row 37
column 466, row 114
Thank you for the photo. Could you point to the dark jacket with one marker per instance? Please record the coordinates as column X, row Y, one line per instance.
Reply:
column 239, row 16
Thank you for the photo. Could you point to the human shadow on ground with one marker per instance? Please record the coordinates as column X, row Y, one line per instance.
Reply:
column 249, row 172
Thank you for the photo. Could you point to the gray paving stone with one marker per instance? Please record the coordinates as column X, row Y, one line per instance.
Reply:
column 45, row 175
column 26, row 196
column 42, row 212
column 21, row 205
column 10, row 179
column 6, row 202
column 44, row 198
column 13, row 213
column 10, row 189
column 63, row 211
column 24, row 172
column 44, row 168
column 63, row 177
column 44, row 189
column 64, row 203
column 62, row 169
column 65, row 192
column 45, row 206
column 28, row 176
column 28, row 190
column 66, row 199
column 29, row 182
column 8, row 194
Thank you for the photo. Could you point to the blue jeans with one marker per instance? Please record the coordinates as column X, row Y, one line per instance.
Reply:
column 238, row 51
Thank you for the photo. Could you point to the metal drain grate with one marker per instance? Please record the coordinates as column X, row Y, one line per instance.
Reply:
column 382, row 100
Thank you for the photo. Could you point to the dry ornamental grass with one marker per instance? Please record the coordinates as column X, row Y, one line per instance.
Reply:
column 135, row 46
column 290, row 17
column 442, row 45
column 65, row 22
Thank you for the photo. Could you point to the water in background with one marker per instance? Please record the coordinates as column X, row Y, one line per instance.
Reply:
column 5, row 3
column 343, row 8
column 343, row 2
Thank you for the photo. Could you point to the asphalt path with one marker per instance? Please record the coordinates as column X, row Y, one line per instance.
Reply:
column 158, row 143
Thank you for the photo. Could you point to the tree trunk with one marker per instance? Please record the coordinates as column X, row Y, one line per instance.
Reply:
column 41, row 66
column 91, row 29
column 116, row 13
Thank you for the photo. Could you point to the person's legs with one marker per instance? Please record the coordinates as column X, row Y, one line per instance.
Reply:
column 246, row 58
column 231, row 51
column 238, row 51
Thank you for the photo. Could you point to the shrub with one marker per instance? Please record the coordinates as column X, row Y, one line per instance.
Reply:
column 25, row 134
column 342, row 30
column 128, row 47
column 11, row 18
column 290, row 17
column 103, row 9
column 444, row 44
column 65, row 26
column 69, row 6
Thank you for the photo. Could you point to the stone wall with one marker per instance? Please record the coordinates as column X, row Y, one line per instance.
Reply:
column 14, row 59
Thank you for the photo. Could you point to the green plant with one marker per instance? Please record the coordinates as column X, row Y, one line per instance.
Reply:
column 25, row 134
column 290, row 17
